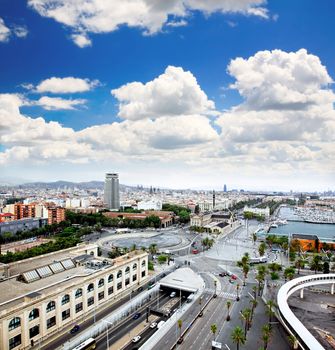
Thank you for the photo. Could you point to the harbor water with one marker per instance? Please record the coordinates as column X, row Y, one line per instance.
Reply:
column 323, row 231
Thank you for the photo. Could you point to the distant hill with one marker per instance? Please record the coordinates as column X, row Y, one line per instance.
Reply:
column 68, row 184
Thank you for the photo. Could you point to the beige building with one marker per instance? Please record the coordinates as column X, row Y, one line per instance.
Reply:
column 41, row 296
column 201, row 219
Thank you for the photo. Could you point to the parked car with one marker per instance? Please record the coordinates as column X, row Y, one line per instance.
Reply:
column 153, row 325
column 234, row 277
column 75, row 329
column 222, row 274
column 140, row 289
column 173, row 294
column 180, row 340
column 136, row 316
column 136, row 339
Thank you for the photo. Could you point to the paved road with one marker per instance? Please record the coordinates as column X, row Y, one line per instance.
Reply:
column 127, row 325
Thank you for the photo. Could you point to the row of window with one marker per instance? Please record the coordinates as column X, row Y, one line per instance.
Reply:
column 16, row 321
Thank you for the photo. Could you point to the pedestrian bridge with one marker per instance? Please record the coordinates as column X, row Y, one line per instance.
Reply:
column 305, row 339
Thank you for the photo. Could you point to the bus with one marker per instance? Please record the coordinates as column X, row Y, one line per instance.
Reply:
column 88, row 344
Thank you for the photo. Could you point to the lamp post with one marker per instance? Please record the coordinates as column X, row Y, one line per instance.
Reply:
column 107, row 324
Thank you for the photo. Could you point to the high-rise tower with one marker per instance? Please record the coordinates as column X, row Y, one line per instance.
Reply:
column 224, row 188
column 112, row 193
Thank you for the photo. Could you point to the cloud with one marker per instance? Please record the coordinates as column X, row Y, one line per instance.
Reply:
column 66, row 85
column 281, row 80
column 4, row 31
column 57, row 103
column 13, row 30
column 169, row 125
column 180, row 23
column 287, row 114
column 20, row 31
column 81, row 40
column 175, row 92
column 96, row 16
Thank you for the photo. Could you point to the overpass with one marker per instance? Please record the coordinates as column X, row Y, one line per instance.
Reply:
column 305, row 339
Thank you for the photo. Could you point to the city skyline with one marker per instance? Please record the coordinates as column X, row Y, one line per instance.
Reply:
column 183, row 95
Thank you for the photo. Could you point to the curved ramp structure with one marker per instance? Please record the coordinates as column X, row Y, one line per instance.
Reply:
column 305, row 339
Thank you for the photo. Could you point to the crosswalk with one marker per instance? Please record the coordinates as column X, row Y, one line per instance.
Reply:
column 221, row 293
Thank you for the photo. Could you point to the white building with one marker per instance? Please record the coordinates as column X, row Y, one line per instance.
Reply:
column 150, row 205
column 42, row 296
column 258, row 211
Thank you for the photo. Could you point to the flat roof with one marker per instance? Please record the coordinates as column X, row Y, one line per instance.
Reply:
column 16, row 291
column 182, row 279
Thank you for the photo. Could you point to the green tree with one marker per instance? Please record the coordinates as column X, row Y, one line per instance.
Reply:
column 270, row 306
column 214, row 329
column 316, row 263
column 151, row 266
column 289, row 273
column 180, row 325
column 238, row 337
column 266, row 334
column 326, row 267
column 261, row 249
column 246, row 316
column 153, row 249
column 228, row 304
column 162, row 259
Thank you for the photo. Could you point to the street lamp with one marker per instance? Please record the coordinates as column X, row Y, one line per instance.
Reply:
column 107, row 324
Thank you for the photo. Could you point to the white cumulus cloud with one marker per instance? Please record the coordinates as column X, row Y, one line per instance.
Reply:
column 57, row 103
column 66, row 85
column 175, row 92
column 4, row 31
column 96, row 16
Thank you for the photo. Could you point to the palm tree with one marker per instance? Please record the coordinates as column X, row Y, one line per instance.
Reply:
column 215, row 285
column 254, row 237
column 238, row 337
column 245, row 270
column 266, row 333
column 246, row 314
column 293, row 341
column 270, row 305
column 254, row 290
column 228, row 304
column 133, row 247
column 180, row 324
column 254, row 303
column 153, row 249
column 237, row 289
column 214, row 329
column 300, row 264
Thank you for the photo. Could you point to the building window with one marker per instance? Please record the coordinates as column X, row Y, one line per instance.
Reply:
column 143, row 273
column 143, row 263
column 51, row 322
column 119, row 274
column 110, row 290
column 127, row 270
column 65, row 299
column 90, row 301
column 110, row 278
column 15, row 341
column 134, row 278
column 90, row 287
column 79, row 307
column 127, row 281
column 34, row 314
column 101, row 283
column 101, row 295
column 65, row 314
column 51, row 306
column 119, row 286
column 34, row 331
column 14, row 323
column 79, row 293
column 135, row 266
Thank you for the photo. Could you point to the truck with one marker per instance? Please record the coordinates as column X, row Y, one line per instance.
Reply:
column 190, row 298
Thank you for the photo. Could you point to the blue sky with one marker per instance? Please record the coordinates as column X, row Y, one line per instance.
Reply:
column 39, row 45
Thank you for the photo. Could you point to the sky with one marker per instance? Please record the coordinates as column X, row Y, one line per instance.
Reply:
column 179, row 94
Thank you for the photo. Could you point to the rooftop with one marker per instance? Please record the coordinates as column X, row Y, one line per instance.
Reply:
column 17, row 291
